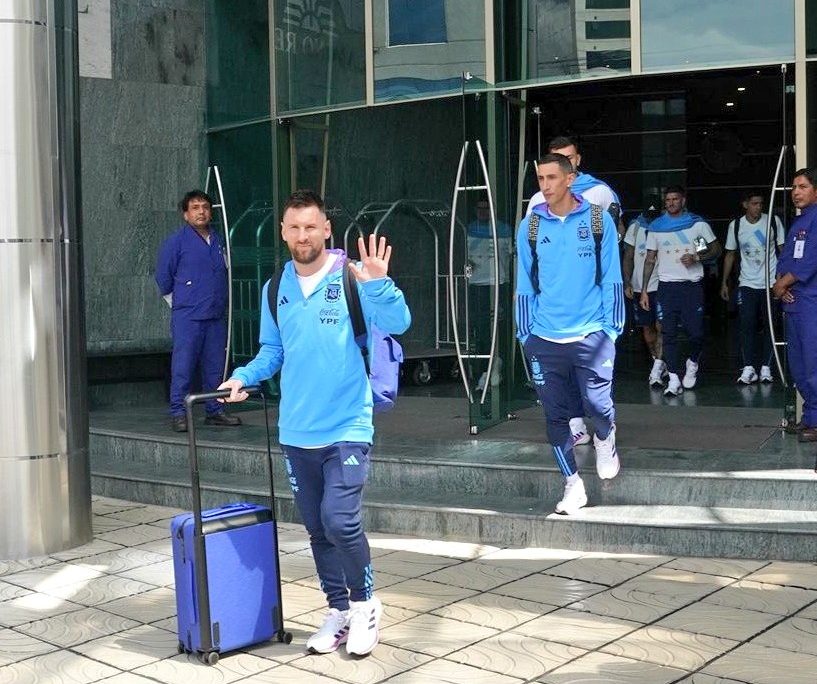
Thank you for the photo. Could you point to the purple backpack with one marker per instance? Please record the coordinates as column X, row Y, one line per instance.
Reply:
column 383, row 368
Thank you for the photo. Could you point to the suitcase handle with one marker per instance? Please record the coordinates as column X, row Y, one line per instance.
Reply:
column 191, row 400
column 202, row 590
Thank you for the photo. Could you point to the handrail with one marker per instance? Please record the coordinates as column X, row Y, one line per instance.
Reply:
column 495, row 326
column 769, row 310
column 227, row 241
column 452, row 300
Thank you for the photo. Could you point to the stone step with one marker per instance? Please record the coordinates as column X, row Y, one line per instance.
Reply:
column 677, row 530
column 505, row 469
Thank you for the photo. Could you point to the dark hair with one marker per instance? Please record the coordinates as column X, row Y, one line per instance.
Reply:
column 562, row 141
column 677, row 189
column 556, row 158
column 303, row 198
column 809, row 173
column 194, row 194
column 752, row 193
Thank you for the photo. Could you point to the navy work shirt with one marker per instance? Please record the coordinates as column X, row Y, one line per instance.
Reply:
column 195, row 273
column 799, row 257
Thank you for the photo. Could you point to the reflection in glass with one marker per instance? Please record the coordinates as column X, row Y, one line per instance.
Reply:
column 422, row 47
column 705, row 33
column 319, row 53
column 576, row 37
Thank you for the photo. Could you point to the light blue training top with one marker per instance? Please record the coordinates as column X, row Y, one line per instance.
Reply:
column 325, row 392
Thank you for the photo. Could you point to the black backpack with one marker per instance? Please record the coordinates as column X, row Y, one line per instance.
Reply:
column 596, row 225
column 383, row 369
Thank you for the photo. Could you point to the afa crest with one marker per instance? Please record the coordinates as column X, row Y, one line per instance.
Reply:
column 583, row 232
column 332, row 293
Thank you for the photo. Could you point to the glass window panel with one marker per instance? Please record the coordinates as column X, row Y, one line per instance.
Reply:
column 415, row 22
column 706, row 32
column 607, row 29
column 404, row 71
column 320, row 54
column 566, row 38
column 229, row 68
column 607, row 4
column 811, row 27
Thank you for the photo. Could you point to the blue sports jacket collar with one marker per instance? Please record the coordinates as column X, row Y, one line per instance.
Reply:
column 583, row 182
column 544, row 211
column 672, row 224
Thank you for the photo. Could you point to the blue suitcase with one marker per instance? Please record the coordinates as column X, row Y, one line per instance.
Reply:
column 225, row 560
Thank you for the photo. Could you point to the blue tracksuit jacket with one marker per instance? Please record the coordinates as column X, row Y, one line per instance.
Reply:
column 569, row 303
column 325, row 393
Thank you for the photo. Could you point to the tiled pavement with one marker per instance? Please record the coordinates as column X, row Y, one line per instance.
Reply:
column 454, row 613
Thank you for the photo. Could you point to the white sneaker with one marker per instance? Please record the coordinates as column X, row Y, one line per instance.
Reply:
column 579, row 431
column 364, row 621
column 691, row 376
column 766, row 374
column 333, row 632
column 674, row 387
column 574, row 497
column 748, row 376
column 659, row 370
column 607, row 461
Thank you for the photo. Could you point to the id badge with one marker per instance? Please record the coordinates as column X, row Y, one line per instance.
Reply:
column 799, row 246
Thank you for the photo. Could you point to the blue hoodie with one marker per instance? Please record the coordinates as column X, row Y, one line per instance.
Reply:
column 325, row 393
column 569, row 303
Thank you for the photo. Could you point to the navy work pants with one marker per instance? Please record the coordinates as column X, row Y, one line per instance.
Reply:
column 559, row 372
column 197, row 345
column 801, row 336
column 328, row 488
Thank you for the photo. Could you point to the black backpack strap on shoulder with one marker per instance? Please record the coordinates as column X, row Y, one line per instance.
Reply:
column 597, row 226
column 533, row 233
column 355, row 312
column 272, row 294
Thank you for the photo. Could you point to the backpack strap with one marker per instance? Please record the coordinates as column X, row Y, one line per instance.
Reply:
column 597, row 226
column 355, row 313
column 533, row 233
column 272, row 294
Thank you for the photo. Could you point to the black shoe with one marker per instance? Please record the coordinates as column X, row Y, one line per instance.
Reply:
column 223, row 419
column 794, row 428
column 807, row 434
column 178, row 424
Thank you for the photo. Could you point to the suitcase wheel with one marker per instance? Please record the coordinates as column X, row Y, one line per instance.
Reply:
column 284, row 637
column 181, row 648
column 210, row 658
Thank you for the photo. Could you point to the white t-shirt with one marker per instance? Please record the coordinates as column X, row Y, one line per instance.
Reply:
column 636, row 236
column 752, row 239
column 598, row 194
column 309, row 283
column 670, row 247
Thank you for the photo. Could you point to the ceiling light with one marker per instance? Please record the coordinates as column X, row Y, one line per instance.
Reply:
column 741, row 89
column 730, row 104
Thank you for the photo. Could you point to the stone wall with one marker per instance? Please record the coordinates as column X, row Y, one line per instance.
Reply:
column 142, row 146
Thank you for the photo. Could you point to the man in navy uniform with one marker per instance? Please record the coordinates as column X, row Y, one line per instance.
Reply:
column 191, row 273
column 796, row 286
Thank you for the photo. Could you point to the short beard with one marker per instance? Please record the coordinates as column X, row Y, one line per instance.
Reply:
column 309, row 258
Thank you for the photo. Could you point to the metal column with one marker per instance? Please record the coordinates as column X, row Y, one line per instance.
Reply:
column 45, row 500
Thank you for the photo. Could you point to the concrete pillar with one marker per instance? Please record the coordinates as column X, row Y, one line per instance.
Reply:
column 45, row 499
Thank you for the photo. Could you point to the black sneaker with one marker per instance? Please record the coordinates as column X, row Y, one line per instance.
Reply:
column 223, row 419
column 178, row 424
